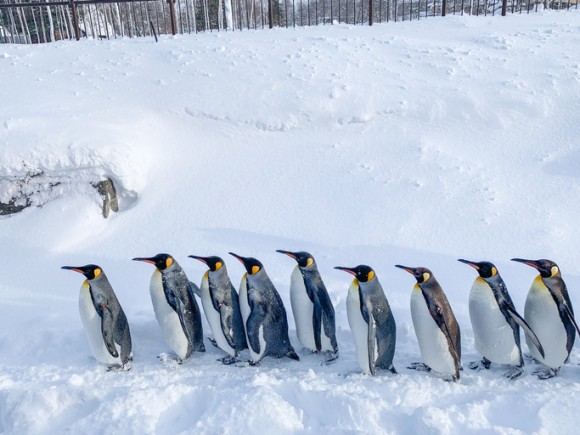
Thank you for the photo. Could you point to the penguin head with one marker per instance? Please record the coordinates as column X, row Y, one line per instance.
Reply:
column 161, row 261
column 547, row 268
column 252, row 265
column 214, row 263
column 421, row 274
column 362, row 272
column 485, row 269
column 90, row 271
column 304, row 259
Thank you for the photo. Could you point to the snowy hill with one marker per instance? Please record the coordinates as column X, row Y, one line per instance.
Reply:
column 412, row 143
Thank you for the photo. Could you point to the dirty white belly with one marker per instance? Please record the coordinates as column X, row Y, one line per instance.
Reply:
column 432, row 342
column 167, row 318
column 213, row 318
column 494, row 337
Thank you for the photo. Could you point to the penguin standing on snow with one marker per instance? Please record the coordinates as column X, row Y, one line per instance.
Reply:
column 103, row 318
column 371, row 320
column 435, row 325
column 549, row 312
column 312, row 307
column 175, row 306
column 263, row 313
column 222, row 308
column 495, row 321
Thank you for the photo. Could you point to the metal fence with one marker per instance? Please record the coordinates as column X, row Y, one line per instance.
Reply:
column 28, row 22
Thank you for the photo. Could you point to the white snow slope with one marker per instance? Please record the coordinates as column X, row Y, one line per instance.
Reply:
column 414, row 143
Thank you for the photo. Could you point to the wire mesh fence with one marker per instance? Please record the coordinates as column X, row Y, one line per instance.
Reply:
column 28, row 22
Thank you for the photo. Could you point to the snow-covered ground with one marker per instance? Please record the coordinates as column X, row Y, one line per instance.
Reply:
column 412, row 143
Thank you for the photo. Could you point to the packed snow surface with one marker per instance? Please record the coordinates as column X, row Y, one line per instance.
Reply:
column 412, row 143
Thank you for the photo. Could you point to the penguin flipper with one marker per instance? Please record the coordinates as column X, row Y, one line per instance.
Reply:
column 253, row 329
column 317, row 324
column 227, row 320
column 107, row 329
column 193, row 289
column 371, row 343
column 455, row 352
column 571, row 317
column 529, row 332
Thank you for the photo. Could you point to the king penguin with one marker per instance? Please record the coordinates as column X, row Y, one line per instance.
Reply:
column 103, row 318
column 222, row 308
column 549, row 312
column 263, row 313
column 312, row 307
column 176, row 309
column 371, row 320
column 495, row 321
column 435, row 325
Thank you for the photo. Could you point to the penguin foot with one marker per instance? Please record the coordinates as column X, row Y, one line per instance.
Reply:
column 420, row 367
column 229, row 360
column 480, row 365
column 212, row 341
column 393, row 370
column 330, row 358
column 292, row 355
column 530, row 359
column 117, row 368
column 514, row 373
column 253, row 363
column 166, row 358
column 546, row 374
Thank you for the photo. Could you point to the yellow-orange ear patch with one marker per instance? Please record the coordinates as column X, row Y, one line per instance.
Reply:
column 309, row 262
column 97, row 272
column 493, row 271
column 554, row 271
column 426, row 276
column 168, row 262
column 371, row 275
column 255, row 269
column 218, row 265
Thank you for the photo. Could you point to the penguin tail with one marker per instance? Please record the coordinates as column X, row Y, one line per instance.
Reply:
column 292, row 355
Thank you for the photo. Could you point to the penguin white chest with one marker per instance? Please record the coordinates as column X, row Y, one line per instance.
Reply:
column 167, row 318
column 92, row 325
column 213, row 317
column 541, row 313
column 358, row 327
column 432, row 342
column 494, row 337
column 244, row 304
column 303, row 309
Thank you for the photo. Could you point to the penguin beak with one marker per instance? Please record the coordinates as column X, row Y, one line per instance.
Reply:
column 239, row 257
column 407, row 269
column 347, row 270
column 288, row 253
column 470, row 263
column 530, row 263
column 74, row 269
column 146, row 260
column 202, row 259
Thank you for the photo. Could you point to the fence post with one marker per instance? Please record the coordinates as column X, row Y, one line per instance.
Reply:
column 444, row 8
column 73, row 7
column 370, row 12
column 270, row 14
column 172, row 16
column 503, row 7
